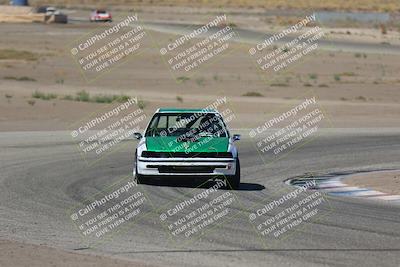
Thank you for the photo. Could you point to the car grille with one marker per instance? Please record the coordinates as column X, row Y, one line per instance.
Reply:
column 152, row 154
column 185, row 169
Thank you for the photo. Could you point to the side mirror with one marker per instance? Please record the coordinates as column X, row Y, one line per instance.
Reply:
column 236, row 137
column 138, row 136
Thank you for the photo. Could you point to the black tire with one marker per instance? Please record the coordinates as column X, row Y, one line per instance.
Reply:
column 234, row 180
column 136, row 174
column 140, row 179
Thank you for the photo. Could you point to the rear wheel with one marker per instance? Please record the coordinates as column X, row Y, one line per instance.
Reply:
column 234, row 180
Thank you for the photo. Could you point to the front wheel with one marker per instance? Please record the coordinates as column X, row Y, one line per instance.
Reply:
column 234, row 180
column 140, row 179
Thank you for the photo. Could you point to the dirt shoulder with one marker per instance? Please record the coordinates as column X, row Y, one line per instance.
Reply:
column 385, row 181
column 354, row 90
column 21, row 254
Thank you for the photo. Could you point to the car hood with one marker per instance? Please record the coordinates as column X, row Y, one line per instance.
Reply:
column 171, row 144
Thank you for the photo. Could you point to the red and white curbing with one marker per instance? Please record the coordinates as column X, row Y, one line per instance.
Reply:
column 335, row 187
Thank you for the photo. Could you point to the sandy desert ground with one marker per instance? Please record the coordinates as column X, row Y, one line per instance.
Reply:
column 387, row 182
column 355, row 89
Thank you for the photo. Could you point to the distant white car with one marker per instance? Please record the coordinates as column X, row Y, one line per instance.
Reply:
column 100, row 15
column 51, row 11
column 48, row 10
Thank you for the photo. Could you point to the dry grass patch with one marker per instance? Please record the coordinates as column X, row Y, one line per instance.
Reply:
column 12, row 54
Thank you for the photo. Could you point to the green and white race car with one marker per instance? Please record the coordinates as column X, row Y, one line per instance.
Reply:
column 187, row 142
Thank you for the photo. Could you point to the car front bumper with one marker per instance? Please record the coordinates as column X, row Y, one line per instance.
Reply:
column 186, row 166
column 101, row 18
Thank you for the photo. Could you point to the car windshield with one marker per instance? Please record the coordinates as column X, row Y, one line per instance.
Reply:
column 187, row 125
column 101, row 12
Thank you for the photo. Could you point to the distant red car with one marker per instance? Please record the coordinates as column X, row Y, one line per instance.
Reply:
column 100, row 15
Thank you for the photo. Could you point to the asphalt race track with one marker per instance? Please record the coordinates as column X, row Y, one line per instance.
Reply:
column 42, row 176
column 254, row 37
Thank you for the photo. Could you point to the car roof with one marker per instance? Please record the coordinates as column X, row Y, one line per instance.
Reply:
column 185, row 110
